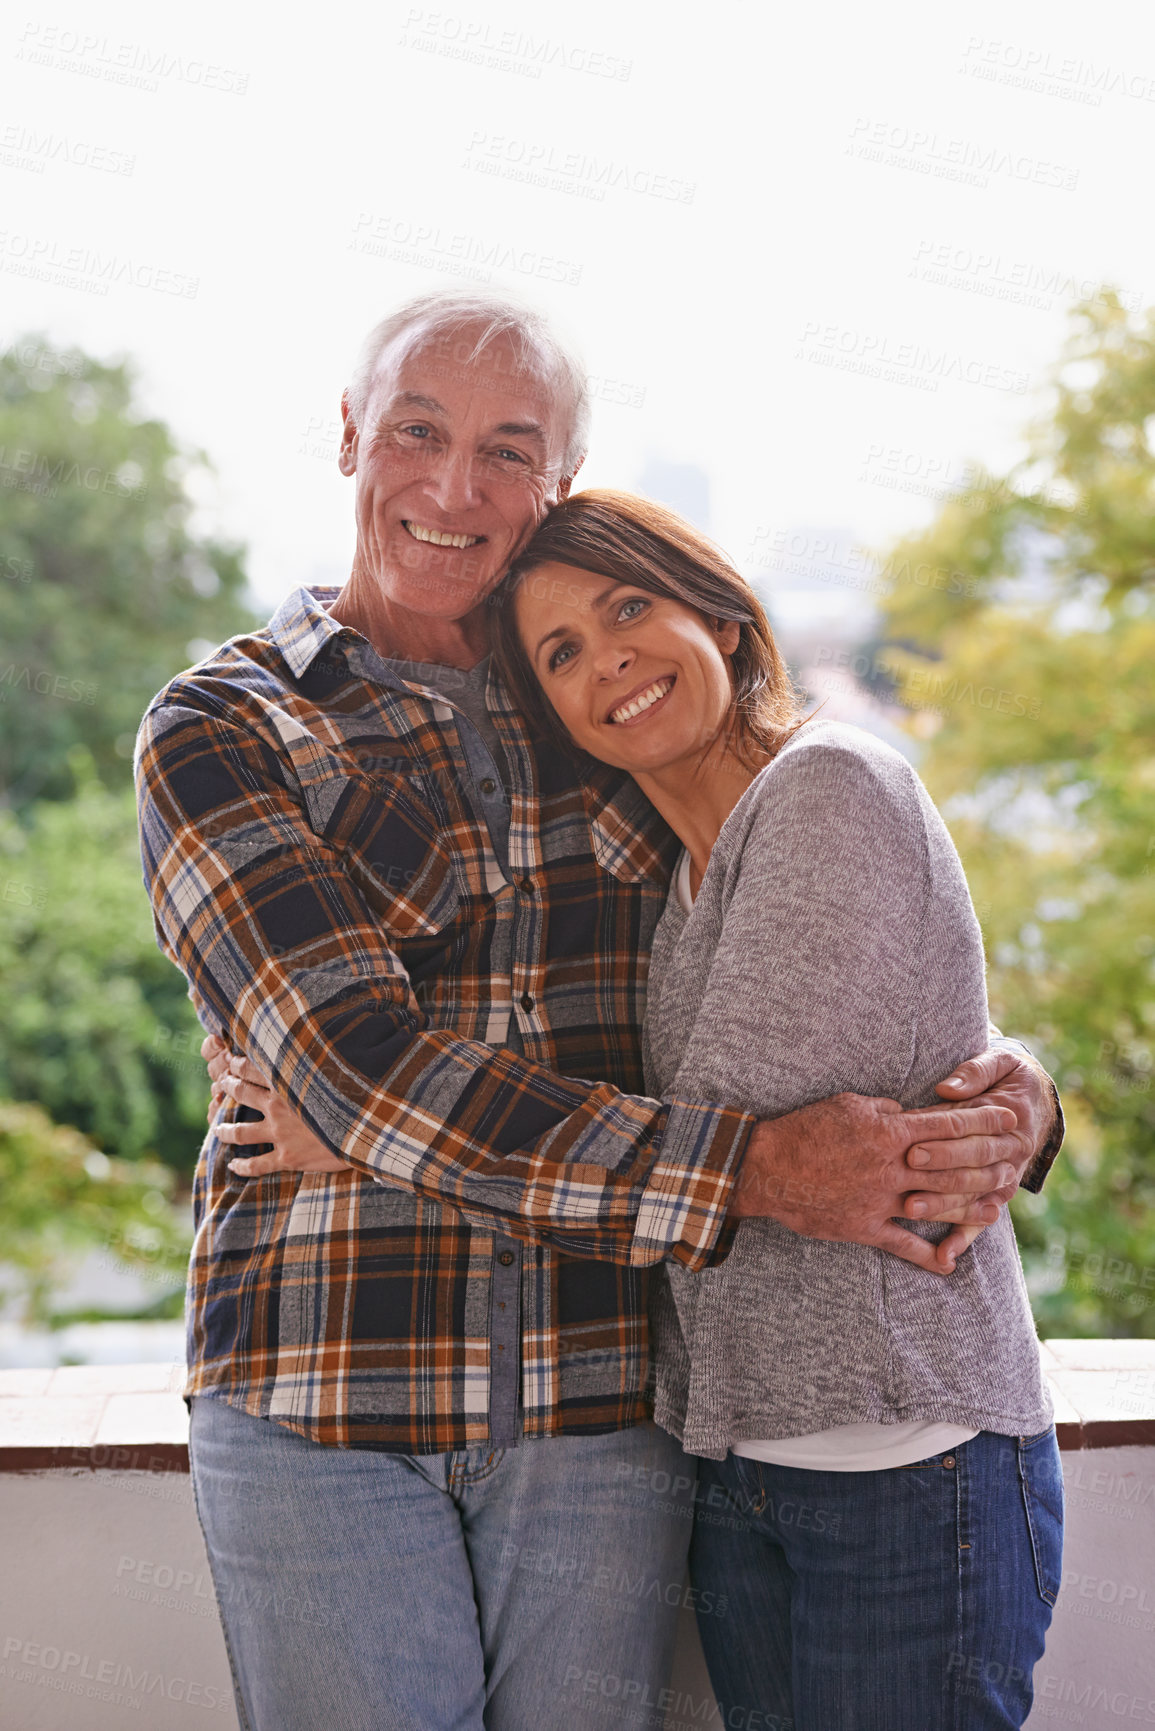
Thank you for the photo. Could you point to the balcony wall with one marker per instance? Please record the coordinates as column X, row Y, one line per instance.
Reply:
column 108, row 1618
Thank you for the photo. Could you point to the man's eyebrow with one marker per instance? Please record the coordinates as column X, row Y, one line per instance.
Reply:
column 414, row 400
column 560, row 630
column 522, row 430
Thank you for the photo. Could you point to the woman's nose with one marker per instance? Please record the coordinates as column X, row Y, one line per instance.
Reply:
column 612, row 661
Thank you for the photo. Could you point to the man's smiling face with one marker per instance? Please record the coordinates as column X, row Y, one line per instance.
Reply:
column 458, row 459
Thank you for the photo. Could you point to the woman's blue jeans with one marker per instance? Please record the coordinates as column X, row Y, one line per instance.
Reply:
column 516, row 1589
column 914, row 1599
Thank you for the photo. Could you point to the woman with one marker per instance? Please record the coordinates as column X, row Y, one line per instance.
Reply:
column 880, row 1503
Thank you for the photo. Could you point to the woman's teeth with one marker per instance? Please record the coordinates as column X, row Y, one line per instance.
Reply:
column 642, row 701
column 439, row 538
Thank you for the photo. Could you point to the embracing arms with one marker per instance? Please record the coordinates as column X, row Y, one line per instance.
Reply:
column 288, row 960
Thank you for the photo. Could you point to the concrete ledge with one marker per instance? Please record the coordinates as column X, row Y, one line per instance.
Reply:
column 1104, row 1392
column 94, row 1418
column 131, row 1418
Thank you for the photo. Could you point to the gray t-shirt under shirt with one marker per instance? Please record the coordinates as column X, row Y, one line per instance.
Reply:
column 487, row 788
column 832, row 945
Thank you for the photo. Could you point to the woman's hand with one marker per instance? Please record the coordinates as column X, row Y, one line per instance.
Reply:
column 295, row 1147
column 948, row 1251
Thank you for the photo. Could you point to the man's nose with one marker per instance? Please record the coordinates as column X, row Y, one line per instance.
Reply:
column 453, row 483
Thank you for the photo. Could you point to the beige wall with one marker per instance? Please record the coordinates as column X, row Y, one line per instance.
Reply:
column 104, row 1591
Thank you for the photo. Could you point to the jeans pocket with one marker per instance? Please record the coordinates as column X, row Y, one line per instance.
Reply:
column 744, row 1482
column 1041, row 1479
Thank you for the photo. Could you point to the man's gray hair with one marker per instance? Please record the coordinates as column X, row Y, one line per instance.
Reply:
column 538, row 352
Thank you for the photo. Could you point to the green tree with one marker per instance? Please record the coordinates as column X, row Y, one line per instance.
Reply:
column 103, row 582
column 95, row 1023
column 61, row 1193
column 1021, row 633
column 106, row 591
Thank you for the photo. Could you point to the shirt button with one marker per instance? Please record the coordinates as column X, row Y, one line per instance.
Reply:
column 526, row 886
column 506, row 1258
column 488, row 785
column 527, row 1000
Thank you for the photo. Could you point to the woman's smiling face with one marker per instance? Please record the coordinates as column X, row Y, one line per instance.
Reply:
column 639, row 680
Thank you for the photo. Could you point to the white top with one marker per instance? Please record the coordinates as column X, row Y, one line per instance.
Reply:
column 847, row 1448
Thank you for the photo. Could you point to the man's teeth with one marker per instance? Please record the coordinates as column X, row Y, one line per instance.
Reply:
column 642, row 701
column 439, row 538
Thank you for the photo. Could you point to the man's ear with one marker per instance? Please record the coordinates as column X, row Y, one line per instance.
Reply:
column 347, row 455
column 566, row 483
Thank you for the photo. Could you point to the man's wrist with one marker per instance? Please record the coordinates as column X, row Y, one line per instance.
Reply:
column 1043, row 1159
column 754, row 1179
column 1032, row 1179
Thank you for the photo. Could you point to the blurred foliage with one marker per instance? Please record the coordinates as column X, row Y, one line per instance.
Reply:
column 95, row 1023
column 1021, row 632
column 106, row 591
column 62, row 1193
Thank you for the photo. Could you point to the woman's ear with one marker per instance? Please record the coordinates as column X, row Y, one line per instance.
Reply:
column 729, row 635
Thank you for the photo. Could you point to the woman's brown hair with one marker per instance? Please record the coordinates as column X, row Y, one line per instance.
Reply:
column 633, row 540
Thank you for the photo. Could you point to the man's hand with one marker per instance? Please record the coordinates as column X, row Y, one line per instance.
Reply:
column 838, row 1170
column 995, row 1078
column 295, row 1147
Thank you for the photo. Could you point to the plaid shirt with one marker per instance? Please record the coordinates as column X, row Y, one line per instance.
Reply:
column 319, row 873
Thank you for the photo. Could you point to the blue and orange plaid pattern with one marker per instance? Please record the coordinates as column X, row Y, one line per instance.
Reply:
column 318, row 874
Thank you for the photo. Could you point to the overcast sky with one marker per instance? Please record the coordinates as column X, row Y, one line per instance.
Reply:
column 825, row 253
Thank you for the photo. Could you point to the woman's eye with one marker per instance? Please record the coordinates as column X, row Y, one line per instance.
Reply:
column 564, row 653
column 632, row 608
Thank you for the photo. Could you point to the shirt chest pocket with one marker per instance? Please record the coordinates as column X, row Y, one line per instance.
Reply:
column 395, row 852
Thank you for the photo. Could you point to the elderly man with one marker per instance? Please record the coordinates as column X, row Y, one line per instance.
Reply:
column 422, row 1454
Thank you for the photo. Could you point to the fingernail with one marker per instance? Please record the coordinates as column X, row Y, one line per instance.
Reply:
column 918, row 1157
column 918, row 1209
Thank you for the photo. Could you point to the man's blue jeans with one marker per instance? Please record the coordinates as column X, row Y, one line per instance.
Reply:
column 515, row 1589
column 915, row 1599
